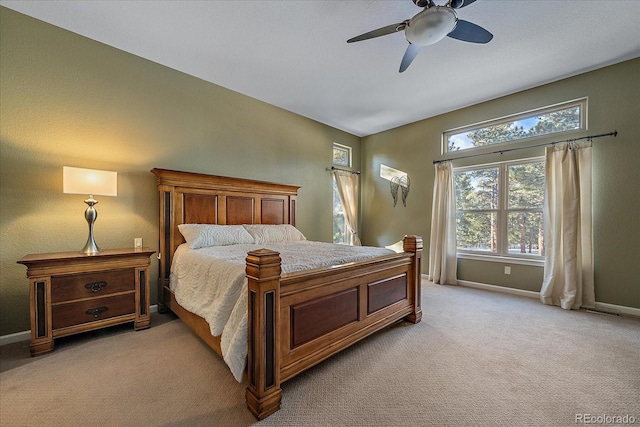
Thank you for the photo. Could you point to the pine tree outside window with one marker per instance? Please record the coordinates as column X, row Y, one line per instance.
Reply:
column 499, row 208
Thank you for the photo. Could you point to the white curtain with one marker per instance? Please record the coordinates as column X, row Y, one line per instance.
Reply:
column 568, row 269
column 347, row 184
column 442, row 251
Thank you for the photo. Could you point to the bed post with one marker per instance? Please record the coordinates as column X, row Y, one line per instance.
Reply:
column 263, row 275
column 164, row 246
column 414, row 244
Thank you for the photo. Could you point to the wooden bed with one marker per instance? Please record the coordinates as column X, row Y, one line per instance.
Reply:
column 295, row 320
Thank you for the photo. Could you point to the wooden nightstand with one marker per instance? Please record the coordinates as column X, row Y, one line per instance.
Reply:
column 72, row 292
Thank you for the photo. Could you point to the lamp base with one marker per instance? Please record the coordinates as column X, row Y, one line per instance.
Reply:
column 91, row 214
column 90, row 248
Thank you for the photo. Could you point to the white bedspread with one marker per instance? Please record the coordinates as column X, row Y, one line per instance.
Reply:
column 211, row 283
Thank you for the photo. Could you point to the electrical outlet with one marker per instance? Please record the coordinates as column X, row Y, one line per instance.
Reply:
column 137, row 242
column 507, row 270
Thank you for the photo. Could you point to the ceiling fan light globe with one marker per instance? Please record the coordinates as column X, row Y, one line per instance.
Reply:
column 430, row 26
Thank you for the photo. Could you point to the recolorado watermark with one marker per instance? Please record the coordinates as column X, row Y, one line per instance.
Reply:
column 605, row 419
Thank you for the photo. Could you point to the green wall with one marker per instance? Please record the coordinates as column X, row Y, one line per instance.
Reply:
column 66, row 100
column 613, row 104
column 69, row 101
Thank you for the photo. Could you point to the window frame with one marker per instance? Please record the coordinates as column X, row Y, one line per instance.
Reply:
column 582, row 103
column 346, row 149
column 502, row 213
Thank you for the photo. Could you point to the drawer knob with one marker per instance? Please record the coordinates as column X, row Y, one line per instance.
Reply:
column 96, row 286
column 96, row 312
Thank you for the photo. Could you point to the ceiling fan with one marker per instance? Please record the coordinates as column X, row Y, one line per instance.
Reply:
column 429, row 26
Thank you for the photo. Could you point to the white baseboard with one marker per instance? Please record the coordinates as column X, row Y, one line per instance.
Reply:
column 611, row 308
column 17, row 337
column 503, row 289
column 26, row 335
column 619, row 309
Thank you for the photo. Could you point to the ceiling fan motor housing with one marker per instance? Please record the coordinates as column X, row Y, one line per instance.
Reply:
column 456, row 4
column 423, row 3
column 431, row 25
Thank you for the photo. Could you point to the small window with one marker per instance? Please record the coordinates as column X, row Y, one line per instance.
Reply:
column 341, row 155
column 569, row 116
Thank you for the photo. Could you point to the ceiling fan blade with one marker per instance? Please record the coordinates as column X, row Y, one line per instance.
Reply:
column 409, row 56
column 389, row 29
column 470, row 32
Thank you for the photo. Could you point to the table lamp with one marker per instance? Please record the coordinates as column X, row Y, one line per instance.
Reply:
column 91, row 182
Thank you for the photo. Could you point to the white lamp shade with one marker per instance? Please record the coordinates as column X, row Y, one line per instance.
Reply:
column 89, row 181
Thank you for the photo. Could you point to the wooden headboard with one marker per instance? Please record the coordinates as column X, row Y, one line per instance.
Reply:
column 193, row 198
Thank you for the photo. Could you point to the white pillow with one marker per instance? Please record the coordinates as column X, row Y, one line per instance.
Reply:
column 204, row 235
column 265, row 233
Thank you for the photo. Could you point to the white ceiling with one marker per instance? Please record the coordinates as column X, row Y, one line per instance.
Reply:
column 293, row 54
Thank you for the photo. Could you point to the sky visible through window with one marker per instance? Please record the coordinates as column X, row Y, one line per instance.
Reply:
column 462, row 142
column 541, row 123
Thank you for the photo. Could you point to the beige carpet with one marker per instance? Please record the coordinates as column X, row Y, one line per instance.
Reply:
column 477, row 359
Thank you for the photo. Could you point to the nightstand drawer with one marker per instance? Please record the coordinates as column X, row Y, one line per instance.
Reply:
column 90, row 285
column 76, row 313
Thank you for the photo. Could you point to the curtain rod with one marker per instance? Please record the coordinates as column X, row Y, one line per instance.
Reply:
column 614, row 133
column 333, row 168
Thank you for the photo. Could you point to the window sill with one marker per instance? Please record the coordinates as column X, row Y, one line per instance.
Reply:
column 502, row 259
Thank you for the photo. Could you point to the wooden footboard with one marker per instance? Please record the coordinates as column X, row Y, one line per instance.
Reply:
column 297, row 320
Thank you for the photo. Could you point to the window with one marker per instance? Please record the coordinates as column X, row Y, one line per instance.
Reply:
column 499, row 208
column 339, row 223
column 569, row 116
column 341, row 157
column 499, row 205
